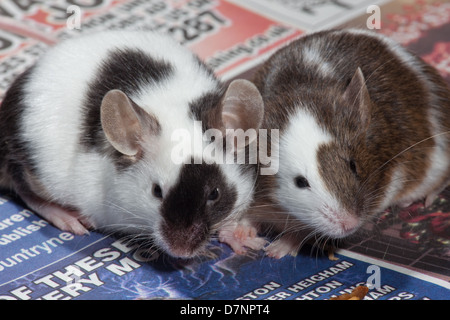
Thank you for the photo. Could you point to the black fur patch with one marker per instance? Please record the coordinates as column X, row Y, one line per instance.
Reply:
column 15, row 160
column 207, row 109
column 187, row 202
column 188, row 211
column 128, row 70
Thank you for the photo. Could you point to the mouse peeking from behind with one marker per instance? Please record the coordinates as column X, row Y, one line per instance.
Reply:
column 87, row 139
column 363, row 126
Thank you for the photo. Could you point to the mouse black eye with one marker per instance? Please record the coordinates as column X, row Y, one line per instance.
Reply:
column 301, row 182
column 214, row 195
column 157, row 191
column 352, row 166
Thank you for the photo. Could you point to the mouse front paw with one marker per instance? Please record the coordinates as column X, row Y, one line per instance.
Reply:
column 67, row 220
column 240, row 236
column 283, row 246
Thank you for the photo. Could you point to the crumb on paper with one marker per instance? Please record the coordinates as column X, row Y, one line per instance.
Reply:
column 357, row 294
column 331, row 256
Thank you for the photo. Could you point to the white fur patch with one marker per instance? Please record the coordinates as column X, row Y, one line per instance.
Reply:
column 314, row 59
column 59, row 84
column 53, row 124
column 314, row 206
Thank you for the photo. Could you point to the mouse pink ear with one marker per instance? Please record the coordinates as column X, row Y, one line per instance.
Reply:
column 242, row 107
column 357, row 97
column 124, row 122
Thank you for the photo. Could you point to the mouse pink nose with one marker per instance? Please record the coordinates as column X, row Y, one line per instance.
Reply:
column 349, row 223
column 340, row 223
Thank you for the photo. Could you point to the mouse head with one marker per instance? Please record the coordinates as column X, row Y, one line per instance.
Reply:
column 180, row 204
column 323, row 178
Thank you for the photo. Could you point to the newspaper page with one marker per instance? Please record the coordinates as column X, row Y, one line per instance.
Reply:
column 406, row 257
column 311, row 15
column 217, row 31
column 38, row 261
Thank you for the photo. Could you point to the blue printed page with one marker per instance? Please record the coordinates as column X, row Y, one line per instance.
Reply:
column 38, row 261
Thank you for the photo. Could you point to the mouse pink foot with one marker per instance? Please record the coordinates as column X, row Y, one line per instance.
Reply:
column 283, row 246
column 405, row 204
column 240, row 236
column 66, row 220
column 430, row 199
column 62, row 218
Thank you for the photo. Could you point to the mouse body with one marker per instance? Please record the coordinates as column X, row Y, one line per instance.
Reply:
column 107, row 131
column 363, row 126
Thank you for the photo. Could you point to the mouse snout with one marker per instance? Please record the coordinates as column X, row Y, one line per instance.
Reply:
column 185, row 242
column 340, row 223
column 349, row 223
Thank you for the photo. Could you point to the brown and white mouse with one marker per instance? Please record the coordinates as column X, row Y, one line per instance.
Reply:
column 363, row 126
column 102, row 132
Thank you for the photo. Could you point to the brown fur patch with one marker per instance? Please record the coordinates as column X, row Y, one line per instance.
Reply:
column 398, row 135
